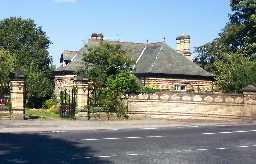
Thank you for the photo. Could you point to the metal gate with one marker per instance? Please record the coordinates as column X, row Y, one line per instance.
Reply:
column 68, row 103
column 5, row 103
column 94, row 107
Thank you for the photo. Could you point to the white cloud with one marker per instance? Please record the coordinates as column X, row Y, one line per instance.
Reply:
column 65, row 1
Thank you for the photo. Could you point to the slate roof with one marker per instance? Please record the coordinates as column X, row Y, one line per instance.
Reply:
column 71, row 67
column 249, row 88
column 76, row 61
column 160, row 58
column 69, row 55
column 151, row 58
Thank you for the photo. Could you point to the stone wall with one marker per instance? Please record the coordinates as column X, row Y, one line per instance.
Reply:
column 214, row 106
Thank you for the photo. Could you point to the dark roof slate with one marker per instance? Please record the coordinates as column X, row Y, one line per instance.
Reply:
column 132, row 49
column 71, row 67
column 160, row 58
column 76, row 63
column 249, row 88
column 69, row 55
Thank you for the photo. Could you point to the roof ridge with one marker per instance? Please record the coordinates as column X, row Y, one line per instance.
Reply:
column 130, row 42
column 142, row 52
column 70, row 51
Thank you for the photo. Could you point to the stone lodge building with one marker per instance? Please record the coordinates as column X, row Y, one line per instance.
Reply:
column 156, row 65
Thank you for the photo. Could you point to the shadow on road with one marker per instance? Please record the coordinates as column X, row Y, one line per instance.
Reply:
column 43, row 149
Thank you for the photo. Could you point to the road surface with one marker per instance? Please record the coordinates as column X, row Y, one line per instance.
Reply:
column 169, row 145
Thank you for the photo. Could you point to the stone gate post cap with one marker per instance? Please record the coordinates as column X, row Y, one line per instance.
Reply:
column 80, row 78
column 249, row 88
column 18, row 75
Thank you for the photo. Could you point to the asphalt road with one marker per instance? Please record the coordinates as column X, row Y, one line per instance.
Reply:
column 176, row 145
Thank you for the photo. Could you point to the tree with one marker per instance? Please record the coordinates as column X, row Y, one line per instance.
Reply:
column 110, row 70
column 6, row 66
column 234, row 72
column 243, row 20
column 29, row 43
column 39, row 91
column 238, row 38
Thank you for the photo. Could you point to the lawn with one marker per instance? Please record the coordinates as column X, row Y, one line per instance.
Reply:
column 43, row 114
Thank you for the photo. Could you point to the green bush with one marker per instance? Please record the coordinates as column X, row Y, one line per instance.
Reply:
column 146, row 89
column 50, row 103
column 54, row 109
column 7, row 107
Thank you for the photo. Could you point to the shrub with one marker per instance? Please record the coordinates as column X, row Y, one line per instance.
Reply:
column 50, row 103
column 147, row 89
column 7, row 106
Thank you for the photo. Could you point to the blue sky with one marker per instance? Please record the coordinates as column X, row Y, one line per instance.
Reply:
column 69, row 23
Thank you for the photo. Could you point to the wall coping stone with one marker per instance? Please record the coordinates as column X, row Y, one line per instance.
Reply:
column 204, row 98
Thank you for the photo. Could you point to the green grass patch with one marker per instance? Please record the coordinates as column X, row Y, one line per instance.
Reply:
column 41, row 114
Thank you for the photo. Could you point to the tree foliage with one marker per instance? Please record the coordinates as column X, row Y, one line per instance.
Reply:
column 110, row 71
column 237, row 39
column 238, row 36
column 7, row 62
column 234, row 72
column 29, row 43
column 243, row 23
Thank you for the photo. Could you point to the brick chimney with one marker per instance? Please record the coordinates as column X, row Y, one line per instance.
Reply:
column 97, row 36
column 183, row 45
column 96, row 39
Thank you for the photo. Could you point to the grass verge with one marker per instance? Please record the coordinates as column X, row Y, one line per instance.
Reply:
column 43, row 114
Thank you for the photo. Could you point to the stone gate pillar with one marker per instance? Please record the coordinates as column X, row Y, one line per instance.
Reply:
column 82, row 93
column 249, row 93
column 17, row 98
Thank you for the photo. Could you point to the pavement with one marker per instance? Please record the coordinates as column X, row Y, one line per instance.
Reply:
column 16, row 126
column 130, row 142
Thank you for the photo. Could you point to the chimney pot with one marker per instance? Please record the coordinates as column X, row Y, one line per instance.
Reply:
column 97, row 36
